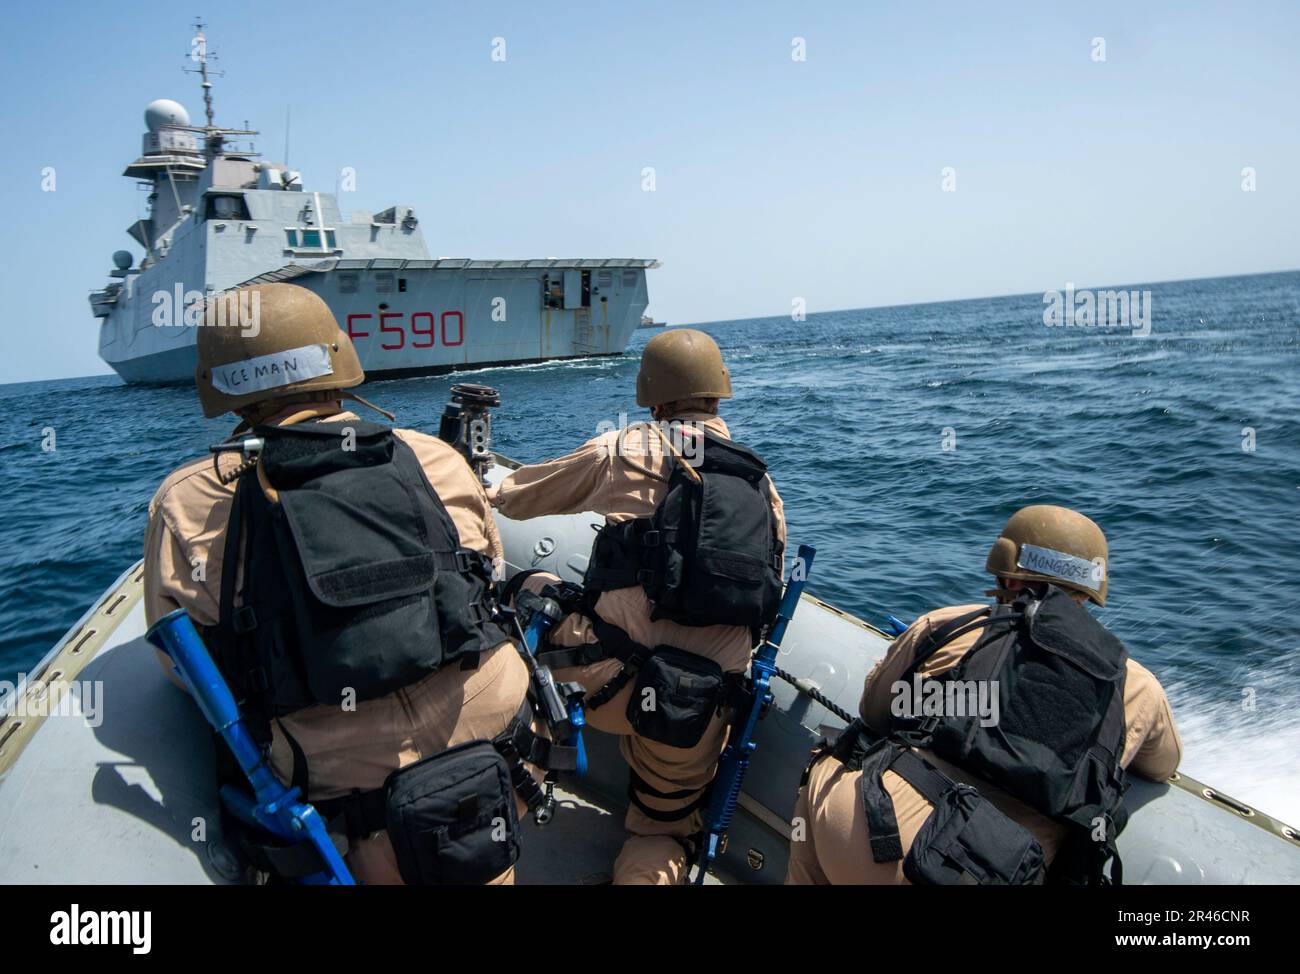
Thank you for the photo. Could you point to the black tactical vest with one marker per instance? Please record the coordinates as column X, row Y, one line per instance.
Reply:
column 1059, row 739
column 709, row 554
column 354, row 581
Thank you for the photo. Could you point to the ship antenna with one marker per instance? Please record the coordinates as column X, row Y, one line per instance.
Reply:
column 200, row 56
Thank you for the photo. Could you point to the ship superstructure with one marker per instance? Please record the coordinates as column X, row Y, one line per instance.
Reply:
column 220, row 216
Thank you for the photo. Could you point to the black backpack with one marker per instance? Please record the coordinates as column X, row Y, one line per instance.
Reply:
column 1060, row 737
column 709, row 554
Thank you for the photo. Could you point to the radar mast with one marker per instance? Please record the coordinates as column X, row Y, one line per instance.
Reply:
column 214, row 138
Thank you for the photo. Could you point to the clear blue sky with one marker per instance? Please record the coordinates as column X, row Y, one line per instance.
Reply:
column 775, row 178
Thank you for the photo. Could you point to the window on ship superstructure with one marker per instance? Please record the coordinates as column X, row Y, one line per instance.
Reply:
column 310, row 240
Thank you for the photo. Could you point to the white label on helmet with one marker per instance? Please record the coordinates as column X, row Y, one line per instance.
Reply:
column 272, row 371
column 1058, row 564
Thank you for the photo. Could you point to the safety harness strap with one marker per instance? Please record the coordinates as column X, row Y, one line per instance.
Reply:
column 617, row 643
column 637, row 786
column 534, row 748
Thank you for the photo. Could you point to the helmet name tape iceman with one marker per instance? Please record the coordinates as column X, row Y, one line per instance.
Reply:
column 268, row 341
column 1045, row 543
column 681, row 364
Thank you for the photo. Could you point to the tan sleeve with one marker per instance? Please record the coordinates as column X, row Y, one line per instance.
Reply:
column 162, row 552
column 1153, row 747
column 878, row 690
column 571, row 484
column 184, row 545
column 459, row 490
column 778, row 511
column 163, row 558
column 877, row 694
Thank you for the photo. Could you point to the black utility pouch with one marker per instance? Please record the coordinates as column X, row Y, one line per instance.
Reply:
column 452, row 817
column 675, row 697
column 967, row 841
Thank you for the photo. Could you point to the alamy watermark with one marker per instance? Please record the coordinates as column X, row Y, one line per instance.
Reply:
column 946, row 698
column 77, row 927
column 179, row 308
column 58, row 698
column 685, row 438
column 1098, row 309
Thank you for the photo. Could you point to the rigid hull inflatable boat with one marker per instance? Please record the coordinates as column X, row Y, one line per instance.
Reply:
column 122, row 801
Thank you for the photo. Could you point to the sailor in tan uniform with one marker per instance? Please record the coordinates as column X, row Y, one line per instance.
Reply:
column 345, row 748
column 832, row 842
column 623, row 475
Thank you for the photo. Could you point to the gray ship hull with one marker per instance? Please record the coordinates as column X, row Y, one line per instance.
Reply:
column 424, row 317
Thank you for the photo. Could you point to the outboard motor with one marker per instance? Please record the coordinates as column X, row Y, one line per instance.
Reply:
column 467, row 424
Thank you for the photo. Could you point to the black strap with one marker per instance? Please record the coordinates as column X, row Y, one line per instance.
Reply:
column 637, row 786
column 230, row 558
column 921, row 775
column 236, row 656
column 882, row 823
column 563, row 657
column 854, row 741
column 617, row 643
column 516, row 583
column 287, row 862
column 463, row 561
column 300, row 776
column 945, row 634
column 533, row 748
column 507, row 745
column 357, row 814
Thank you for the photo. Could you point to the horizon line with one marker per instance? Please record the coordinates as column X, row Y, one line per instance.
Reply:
column 828, row 311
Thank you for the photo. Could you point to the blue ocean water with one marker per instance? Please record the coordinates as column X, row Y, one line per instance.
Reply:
column 852, row 411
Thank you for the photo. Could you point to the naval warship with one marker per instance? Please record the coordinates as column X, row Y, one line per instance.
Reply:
column 220, row 217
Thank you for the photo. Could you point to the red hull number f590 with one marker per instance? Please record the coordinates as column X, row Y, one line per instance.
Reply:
column 424, row 327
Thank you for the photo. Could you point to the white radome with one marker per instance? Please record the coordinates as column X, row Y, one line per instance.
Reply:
column 164, row 111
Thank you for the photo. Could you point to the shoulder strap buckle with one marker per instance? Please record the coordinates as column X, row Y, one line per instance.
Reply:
column 244, row 619
column 917, row 733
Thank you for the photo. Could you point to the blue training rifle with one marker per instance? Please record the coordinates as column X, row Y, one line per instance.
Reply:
column 273, row 807
column 734, row 763
column 560, row 704
column 543, row 617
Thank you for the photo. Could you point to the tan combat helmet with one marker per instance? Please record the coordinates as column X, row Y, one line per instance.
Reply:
column 1045, row 543
column 681, row 364
column 270, row 341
